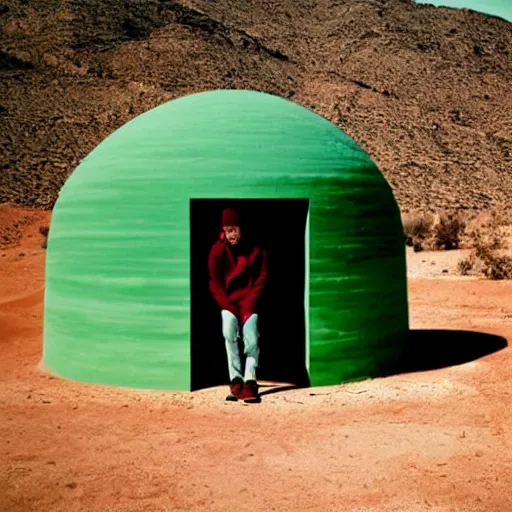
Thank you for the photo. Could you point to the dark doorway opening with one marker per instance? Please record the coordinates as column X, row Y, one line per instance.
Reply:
column 280, row 226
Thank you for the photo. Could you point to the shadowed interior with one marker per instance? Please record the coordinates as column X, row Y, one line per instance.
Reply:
column 279, row 225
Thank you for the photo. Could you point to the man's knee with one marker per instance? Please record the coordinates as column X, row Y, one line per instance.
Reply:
column 229, row 326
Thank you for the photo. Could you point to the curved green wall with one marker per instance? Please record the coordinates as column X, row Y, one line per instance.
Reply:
column 117, row 304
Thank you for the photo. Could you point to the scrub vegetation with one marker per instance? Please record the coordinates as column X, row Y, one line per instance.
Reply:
column 485, row 235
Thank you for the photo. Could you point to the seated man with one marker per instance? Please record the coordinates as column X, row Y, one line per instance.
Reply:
column 238, row 274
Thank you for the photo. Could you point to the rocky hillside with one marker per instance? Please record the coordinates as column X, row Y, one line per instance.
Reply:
column 426, row 91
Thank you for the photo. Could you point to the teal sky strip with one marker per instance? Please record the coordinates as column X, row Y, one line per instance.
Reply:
column 501, row 8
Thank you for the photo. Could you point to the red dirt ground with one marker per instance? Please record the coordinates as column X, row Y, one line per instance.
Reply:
column 432, row 441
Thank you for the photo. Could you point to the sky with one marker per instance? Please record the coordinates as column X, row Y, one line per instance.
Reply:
column 501, row 8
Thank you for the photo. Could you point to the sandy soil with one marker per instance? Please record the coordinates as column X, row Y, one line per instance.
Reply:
column 438, row 441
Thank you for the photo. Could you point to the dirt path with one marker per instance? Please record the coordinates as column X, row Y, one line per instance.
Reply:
column 436, row 441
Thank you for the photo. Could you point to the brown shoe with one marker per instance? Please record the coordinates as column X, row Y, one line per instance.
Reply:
column 236, row 388
column 250, row 393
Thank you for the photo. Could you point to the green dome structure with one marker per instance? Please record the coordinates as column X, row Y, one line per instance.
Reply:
column 127, row 301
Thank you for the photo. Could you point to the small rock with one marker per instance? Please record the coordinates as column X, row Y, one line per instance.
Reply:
column 445, row 271
column 71, row 485
column 479, row 453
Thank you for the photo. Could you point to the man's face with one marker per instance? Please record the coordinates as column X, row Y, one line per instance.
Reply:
column 233, row 234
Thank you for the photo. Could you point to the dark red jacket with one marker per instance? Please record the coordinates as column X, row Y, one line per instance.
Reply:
column 238, row 275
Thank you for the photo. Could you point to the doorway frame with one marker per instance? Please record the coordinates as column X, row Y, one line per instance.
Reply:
column 306, row 201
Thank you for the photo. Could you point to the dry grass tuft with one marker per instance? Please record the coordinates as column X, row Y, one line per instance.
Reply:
column 487, row 257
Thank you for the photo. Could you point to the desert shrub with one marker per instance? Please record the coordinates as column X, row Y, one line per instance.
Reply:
column 447, row 233
column 498, row 267
column 486, row 256
column 466, row 265
column 486, row 248
column 417, row 229
column 417, row 245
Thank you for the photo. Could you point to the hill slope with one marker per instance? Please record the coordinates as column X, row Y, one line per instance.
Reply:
column 426, row 91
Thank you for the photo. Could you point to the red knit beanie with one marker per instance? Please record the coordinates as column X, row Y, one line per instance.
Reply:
column 230, row 217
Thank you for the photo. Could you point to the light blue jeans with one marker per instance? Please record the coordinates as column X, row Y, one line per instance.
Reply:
column 230, row 331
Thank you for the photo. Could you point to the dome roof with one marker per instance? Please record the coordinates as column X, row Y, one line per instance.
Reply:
column 233, row 135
